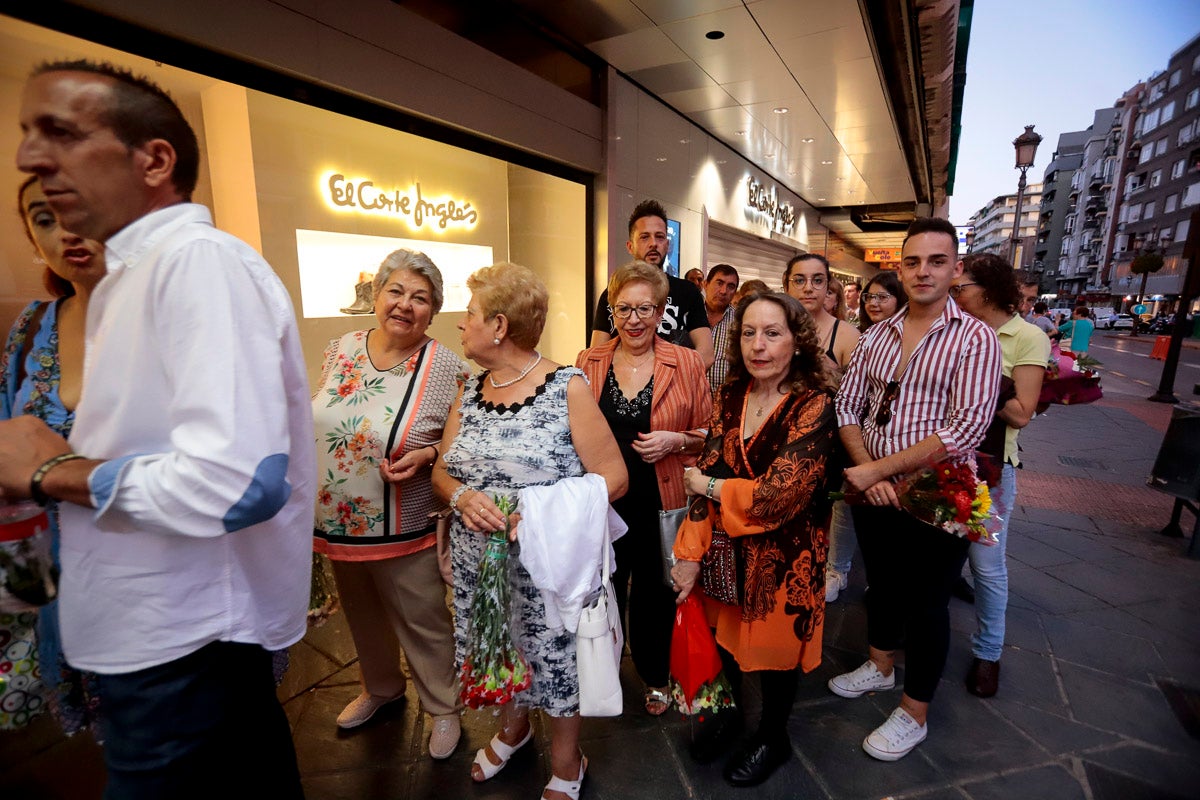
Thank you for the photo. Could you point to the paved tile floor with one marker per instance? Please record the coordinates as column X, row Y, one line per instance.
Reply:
column 1100, row 683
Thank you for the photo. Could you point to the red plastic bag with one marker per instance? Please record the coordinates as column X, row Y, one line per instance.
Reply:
column 694, row 658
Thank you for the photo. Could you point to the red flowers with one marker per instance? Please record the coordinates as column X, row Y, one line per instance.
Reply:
column 948, row 496
column 493, row 670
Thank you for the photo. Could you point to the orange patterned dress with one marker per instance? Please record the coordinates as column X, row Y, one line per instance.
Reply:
column 774, row 508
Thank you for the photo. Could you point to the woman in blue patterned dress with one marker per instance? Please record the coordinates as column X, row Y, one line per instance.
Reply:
column 41, row 373
column 523, row 421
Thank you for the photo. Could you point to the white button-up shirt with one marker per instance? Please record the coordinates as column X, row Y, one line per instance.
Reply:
column 195, row 391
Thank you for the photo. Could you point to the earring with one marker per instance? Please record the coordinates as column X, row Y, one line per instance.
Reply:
column 495, row 341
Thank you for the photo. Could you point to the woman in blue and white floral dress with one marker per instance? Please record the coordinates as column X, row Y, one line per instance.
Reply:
column 41, row 373
column 524, row 421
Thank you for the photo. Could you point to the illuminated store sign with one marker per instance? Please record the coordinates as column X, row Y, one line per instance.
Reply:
column 877, row 254
column 411, row 206
column 779, row 216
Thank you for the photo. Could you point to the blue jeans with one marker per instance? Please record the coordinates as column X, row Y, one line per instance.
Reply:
column 989, row 568
column 202, row 726
column 841, row 538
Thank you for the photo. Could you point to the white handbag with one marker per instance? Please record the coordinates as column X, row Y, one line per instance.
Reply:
column 598, row 646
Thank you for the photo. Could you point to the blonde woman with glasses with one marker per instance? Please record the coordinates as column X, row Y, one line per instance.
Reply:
column 656, row 399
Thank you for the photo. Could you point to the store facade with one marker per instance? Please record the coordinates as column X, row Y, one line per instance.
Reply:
column 357, row 128
column 324, row 196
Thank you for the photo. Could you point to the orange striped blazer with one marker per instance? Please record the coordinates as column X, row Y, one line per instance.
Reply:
column 682, row 402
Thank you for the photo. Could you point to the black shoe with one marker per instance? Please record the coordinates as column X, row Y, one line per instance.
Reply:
column 983, row 679
column 963, row 590
column 716, row 736
column 755, row 761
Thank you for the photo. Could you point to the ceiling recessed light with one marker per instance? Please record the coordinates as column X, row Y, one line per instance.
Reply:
column 841, row 179
column 714, row 35
column 826, row 162
column 740, row 133
column 660, row 159
column 820, row 199
column 769, row 155
column 780, row 110
column 807, row 140
column 811, row 188
column 684, row 141
column 721, row 161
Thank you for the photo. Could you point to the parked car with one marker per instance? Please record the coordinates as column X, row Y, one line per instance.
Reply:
column 1119, row 321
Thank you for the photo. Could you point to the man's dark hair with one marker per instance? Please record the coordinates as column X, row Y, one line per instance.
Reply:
column 931, row 225
column 1040, row 307
column 140, row 111
column 1027, row 278
column 722, row 269
column 646, row 208
column 853, row 283
column 794, row 260
column 995, row 277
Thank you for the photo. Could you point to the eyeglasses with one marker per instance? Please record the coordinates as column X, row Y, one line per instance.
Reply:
column 644, row 311
column 881, row 297
column 955, row 291
column 817, row 281
column 884, row 415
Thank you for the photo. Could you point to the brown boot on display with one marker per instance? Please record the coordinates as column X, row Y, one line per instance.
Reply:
column 364, row 299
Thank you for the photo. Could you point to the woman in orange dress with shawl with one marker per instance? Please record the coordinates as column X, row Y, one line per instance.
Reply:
column 760, row 481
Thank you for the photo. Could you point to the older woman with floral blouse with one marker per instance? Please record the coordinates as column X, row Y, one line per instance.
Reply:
column 383, row 401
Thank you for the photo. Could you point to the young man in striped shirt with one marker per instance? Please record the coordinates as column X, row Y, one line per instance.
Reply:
column 920, row 387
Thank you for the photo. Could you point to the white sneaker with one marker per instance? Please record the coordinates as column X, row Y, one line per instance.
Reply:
column 834, row 583
column 896, row 737
column 866, row 678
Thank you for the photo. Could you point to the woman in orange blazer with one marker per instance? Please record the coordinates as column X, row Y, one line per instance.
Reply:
column 656, row 399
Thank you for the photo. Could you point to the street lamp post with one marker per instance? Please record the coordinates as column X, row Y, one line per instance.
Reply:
column 1026, row 146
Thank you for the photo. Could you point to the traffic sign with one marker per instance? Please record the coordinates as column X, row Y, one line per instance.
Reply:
column 1139, row 309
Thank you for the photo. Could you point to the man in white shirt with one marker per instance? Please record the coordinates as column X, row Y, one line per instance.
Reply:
column 186, row 492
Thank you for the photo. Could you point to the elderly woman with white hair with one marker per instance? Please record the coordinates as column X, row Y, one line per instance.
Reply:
column 383, row 400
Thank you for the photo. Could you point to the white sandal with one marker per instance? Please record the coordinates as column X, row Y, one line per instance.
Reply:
column 569, row 788
column 503, row 752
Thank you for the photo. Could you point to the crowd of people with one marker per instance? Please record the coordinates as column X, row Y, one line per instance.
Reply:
column 184, row 465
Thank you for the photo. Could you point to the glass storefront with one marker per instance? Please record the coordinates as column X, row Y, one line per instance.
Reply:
column 325, row 196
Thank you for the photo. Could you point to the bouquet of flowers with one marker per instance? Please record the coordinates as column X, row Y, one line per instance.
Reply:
column 493, row 670
column 946, row 495
column 697, row 681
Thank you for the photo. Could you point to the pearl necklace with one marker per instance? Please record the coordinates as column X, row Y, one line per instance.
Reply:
column 537, row 357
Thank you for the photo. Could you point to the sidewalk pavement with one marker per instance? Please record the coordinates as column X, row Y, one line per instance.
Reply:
column 1099, row 697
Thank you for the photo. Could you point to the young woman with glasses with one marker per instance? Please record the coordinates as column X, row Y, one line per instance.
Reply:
column 807, row 279
column 882, row 298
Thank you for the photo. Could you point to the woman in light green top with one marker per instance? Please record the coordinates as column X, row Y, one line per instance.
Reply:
column 988, row 290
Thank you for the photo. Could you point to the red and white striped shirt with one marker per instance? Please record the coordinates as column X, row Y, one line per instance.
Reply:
column 949, row 387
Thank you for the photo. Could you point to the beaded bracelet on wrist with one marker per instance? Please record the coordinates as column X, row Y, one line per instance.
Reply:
column 457, row 494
